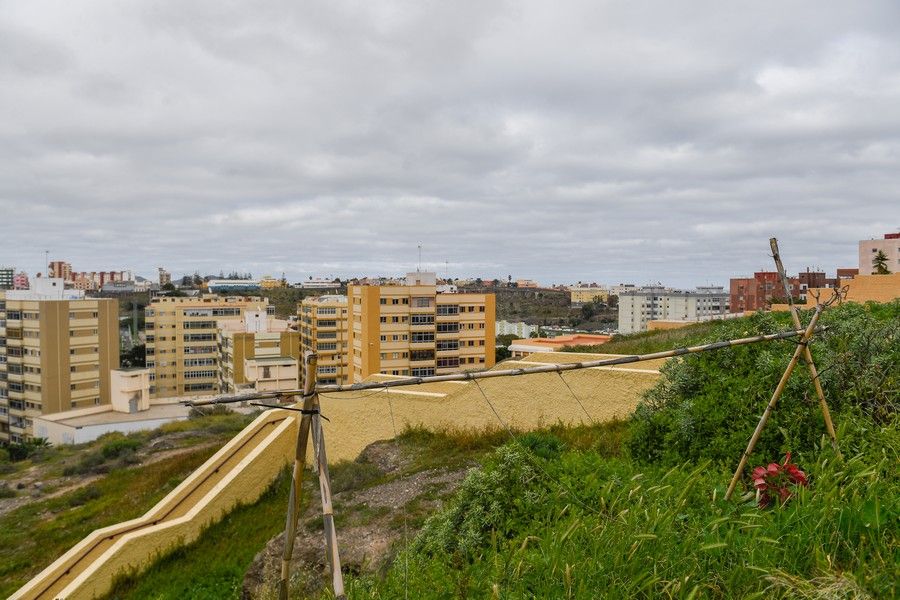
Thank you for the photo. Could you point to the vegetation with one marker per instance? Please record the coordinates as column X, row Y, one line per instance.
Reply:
column 126, row 478
column 880, row 262
column 549, row 307
column 545, row 518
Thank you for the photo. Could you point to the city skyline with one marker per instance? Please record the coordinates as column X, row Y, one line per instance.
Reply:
column 609, row 143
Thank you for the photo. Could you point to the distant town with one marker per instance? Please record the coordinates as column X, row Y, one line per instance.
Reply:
column 84, row 352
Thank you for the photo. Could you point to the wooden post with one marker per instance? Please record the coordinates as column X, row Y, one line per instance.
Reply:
column 777, row 394
column 807, row 353
column 293, row 511
column 332, row 555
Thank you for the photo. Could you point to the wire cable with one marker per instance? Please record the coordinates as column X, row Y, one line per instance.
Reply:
column 574, row 395
column 533, row 460
column 405, row 535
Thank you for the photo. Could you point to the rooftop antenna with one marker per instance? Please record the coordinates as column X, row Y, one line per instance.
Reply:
column 419, row 268
column 47, row 262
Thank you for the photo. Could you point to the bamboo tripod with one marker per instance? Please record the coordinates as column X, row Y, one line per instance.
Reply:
column 310, row 420
column 801, row 350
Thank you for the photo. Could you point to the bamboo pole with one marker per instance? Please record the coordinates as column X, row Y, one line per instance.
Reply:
column 293, row 511
column 775, row 396
column 468, row 376
column 332, row 555
column 807, row 353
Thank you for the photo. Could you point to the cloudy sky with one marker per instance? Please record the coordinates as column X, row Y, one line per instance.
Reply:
column 610, row 141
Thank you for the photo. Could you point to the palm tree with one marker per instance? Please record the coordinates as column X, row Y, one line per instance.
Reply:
column 879, row 263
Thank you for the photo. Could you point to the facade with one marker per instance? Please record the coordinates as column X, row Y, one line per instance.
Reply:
column 748, row 294
column 526, row 347
column 232, row 285
column 618, row 290
column 165, row 277
column 868, row 249
column 20, row 281
column 844, row 274
column 318, row 283
column 861, row 289
column 270, row 283
column 259, row 352
column 519, row 329
column 6, row 278
column 645, row 304
column 85, row 280
column 411, row 330
column 324, row 330
column 182, row 341
column 527, row 283
column 586, row 295
column 56, row 351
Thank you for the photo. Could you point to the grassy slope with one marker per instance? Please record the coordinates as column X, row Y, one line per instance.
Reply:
column 34, row 535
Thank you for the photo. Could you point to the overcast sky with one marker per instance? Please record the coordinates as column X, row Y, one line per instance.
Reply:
column 599, row 141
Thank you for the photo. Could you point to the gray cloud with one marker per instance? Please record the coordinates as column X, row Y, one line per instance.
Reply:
column 583, row 141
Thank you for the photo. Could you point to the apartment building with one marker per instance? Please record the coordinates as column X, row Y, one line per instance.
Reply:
column 6, row 278
column 637, row 307
column 756, row 293
column 411, row 330
column 324, row 330
column 520, row 329
column 182, row 341
column 56, row 352
column 868, row 249
column 259, row 352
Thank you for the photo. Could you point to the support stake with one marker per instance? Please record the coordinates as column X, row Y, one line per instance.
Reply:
column 775, row 396
column 807, row 353
column 293, row 510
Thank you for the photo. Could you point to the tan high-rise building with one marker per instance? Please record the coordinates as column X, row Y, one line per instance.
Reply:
column 411, row 330
column 323, row 330
column 889, row 245
column 258, row 352
column 56, row 352
column 182, row 341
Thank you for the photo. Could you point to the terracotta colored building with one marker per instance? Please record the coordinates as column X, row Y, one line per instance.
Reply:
column 755, row 293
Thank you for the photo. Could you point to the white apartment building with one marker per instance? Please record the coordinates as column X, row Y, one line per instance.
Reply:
column 638, row 306
column 520, row 329
column 868, row 249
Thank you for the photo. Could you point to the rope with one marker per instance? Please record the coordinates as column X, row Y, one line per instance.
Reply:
column 532, row 459
column 405, row 536
column 571, row 391
column 357, row 397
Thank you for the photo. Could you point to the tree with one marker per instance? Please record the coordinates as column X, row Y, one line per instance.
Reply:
column 879, row 263
column 478, row 281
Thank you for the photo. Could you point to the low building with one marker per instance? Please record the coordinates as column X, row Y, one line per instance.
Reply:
column 519, row 329
column 527, row 283
column 869, row 249
column 586, row 295
column 526, row 347
column 639, row 306
column 258, row 352
column 318, row 283
column 861, row 289
column 225, row 286
column 270, row 283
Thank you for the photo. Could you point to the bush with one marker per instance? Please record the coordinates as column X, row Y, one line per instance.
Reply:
column 489, row 499
column 119, row 446
column 83, row 496
column 6, row 491
column 91, row 462
column 707, row 405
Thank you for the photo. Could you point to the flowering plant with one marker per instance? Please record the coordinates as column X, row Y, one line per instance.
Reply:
column 776, row 481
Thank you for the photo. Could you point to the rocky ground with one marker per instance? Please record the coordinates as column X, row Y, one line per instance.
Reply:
column 374, row 520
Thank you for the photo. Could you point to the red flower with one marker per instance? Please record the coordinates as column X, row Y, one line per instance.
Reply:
column 775, row 481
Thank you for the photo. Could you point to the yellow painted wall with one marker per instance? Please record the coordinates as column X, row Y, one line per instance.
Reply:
column 238, row 473
column 862, row 289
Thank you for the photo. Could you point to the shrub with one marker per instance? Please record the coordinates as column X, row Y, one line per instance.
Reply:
column 706, row 405
column 118, row 446
column 6, row 491
column 91, row 462
column 82, row 496
column 488, row 500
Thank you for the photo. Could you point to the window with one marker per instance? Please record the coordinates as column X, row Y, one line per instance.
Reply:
column 422, row 337
column 447, row 363
column 419, row 355
column 447, row 309
column 447, row 327
column 422, row 320
column 422, row 302
column 422, row 372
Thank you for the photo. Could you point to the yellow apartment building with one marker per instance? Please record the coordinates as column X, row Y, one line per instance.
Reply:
column 585, row 295
column 411, row 330
column 258, row 352
column 183, row 341
column 324, row 331
column 56, row 352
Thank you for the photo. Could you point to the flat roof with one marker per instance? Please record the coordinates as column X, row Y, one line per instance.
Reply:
column 109, row 417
